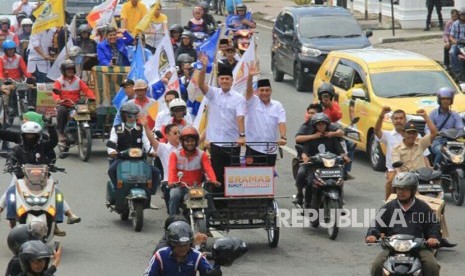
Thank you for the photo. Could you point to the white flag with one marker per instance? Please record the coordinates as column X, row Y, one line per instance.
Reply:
column 241, row 71
column 55, row 72
column 162, row 61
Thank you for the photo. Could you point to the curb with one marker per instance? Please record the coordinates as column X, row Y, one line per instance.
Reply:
column 405, row 39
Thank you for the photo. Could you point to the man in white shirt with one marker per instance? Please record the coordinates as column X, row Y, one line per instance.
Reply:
column 164, row 151
column 264, row 121
column 392, row 138
column 226, row 116
column 24, row 6
column 38, row 62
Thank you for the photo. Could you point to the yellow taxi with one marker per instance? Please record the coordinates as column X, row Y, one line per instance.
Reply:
column 367, row 79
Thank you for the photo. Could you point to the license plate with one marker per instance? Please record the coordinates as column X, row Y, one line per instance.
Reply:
column 330, row 173
column 82, row 117
column 403, row 259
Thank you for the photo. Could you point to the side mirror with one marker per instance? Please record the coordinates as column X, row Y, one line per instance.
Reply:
column 289, row 34
column 355, row 120
column 397, row 164
column 462, row 86
column 368, row 33
column 359, row 93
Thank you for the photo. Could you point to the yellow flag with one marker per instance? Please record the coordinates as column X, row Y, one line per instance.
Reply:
column 145, row 21
column 49, row 15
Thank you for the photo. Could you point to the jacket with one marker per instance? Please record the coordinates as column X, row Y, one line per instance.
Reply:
column 392, row 215
column 164, row 263
column 193, row 167
column 104, row 50
column 71, row 89
column 13, row 68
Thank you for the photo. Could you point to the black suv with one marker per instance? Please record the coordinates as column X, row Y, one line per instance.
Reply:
column 304, row 35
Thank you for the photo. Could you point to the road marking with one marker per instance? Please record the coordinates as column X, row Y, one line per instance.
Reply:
column 289, row 150
column 264, row 26
column 216, row 234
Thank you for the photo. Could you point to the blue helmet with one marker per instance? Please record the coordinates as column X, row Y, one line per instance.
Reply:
column 8, row 44
column 444, row 92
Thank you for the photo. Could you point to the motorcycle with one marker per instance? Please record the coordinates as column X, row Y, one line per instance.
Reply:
column 429, row 181
column 194, row 206
column 403, row 258
column 328, row 181
column 24, row 93
column 78, row 130
column 199, row 38
column 452, row 164
column 133, row 188
column 35, row 197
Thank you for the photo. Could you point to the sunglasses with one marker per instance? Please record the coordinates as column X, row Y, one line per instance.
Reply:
column 131, row 116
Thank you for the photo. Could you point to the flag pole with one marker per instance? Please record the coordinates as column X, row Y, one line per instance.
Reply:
column 65, row 30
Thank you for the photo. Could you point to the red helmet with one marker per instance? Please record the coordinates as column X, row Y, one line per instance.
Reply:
column 189, row 131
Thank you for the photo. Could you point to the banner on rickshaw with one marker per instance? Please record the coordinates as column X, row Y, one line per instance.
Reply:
column 45, row 103
column 249, row 181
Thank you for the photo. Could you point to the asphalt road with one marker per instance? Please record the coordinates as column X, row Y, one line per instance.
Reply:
column 103, row 245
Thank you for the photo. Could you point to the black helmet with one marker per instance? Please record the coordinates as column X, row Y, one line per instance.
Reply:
column 406, row 180
column 22, row 233
column 128, row 108
column 34, row 250
column 326, row 88
column 179, row 232
column 320, row 117
column 241, row 6
column 226, row 250
column 84, row 28
column 185, row 58
column 67, row 64
column 176, row 27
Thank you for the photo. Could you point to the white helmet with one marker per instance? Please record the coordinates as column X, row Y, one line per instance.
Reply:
column 177, row 103
column 26, row 21
column 74, row 51
column 31, row 127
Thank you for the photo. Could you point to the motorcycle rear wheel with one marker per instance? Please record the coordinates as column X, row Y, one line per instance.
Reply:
column 200, row 225
column 138, row 216
column 273, row 230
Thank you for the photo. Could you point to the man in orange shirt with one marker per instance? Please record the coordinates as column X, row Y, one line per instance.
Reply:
column 12, row 65
column 131, row 13
column 66, row 92
column 193, row 162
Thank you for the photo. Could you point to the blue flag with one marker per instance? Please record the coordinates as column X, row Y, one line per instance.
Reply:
column 210, row 47
column 136, row 72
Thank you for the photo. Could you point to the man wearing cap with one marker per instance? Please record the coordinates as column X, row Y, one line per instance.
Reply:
column 223, row 45
column 226, row 116
column 264, row 117
column 410, row 150
column 145, row 104
column 392, row 138
column 128, row 86
column 229, row 60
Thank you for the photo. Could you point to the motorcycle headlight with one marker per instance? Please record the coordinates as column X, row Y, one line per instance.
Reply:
column 135, row 152
column 310, row 52
column 329, row 163
column 401, row 246
column 196, row 193
column 457, row 158
column 36, row 200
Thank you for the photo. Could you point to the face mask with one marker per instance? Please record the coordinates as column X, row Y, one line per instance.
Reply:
column 131, row 125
